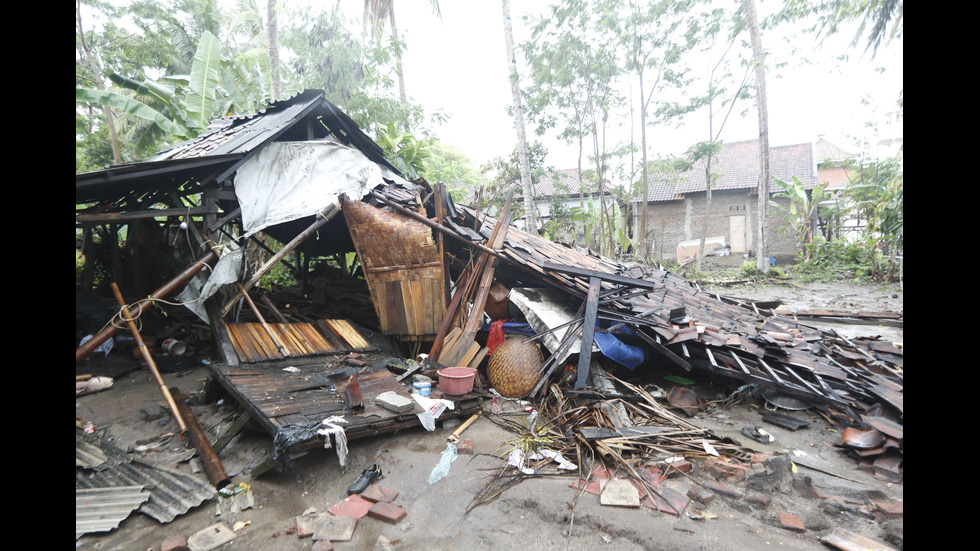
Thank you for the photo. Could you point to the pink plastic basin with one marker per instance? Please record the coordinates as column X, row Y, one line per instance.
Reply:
column 456, row 381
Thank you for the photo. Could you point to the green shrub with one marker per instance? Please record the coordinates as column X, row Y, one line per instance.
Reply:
column 861, row 261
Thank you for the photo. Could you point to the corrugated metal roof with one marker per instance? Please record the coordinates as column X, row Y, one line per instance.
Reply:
column 738, row 164
column 102, row 509
column 171, row 492
column 228, row 142
column 240, row 135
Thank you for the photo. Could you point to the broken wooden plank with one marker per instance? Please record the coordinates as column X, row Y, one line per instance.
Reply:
column 355, row 400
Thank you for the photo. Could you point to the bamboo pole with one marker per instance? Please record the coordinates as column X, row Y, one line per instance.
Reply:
column 255, row 310
column 322, row 218
column 149, row 359
column 209, row 457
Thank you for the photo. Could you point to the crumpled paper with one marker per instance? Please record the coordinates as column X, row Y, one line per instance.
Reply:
column 517, row 458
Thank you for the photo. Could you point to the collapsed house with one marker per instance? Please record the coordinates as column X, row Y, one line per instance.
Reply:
column 437, row 278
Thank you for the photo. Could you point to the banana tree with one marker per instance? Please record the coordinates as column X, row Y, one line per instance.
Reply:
column 799, row 213
column 406, row 153
column 191, row 102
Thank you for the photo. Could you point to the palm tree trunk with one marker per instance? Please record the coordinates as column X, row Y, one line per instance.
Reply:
column 641, row 244
column 398, row 59
column 530, row 209
column 273, row 30
column 762, row 246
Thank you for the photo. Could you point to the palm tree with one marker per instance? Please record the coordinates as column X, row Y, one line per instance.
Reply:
column 376, row 12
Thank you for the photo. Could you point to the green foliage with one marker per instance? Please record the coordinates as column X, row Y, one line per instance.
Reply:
column 748, row 268
column 449, row 165
column 876, row 192
column 798, row 215
column 354, row 74
column 505, row 176
column 403, row 151
column 824, row 260
column 560, row 225
column 881, row 20
column 92, row 148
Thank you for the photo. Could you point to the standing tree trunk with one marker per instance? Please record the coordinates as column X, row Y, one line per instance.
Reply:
column 530, row 209
column 113, row 138
column 707, row 214
column 762, row 247
column 641, row 244
column 398, row 60
column 273, row 30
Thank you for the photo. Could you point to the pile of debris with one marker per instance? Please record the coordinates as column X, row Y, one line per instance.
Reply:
column 454, row 287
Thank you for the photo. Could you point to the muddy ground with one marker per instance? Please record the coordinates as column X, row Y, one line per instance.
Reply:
column 542, row 512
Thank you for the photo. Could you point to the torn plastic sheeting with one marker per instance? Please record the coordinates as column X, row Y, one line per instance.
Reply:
column 105, row 347
column 613, row 348
column 513, row 327
column 286, row 436
column 290, row 180
column 445, row 461
column 201, row 287
column 432, row 408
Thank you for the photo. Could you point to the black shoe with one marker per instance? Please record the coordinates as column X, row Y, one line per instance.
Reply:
column 368, row 476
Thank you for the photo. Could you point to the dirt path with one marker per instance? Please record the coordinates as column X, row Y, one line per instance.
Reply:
column 540, row 513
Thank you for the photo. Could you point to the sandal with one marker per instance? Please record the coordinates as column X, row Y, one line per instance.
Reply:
column 758, row 434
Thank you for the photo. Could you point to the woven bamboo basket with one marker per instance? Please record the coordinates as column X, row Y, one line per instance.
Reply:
column 513, row 368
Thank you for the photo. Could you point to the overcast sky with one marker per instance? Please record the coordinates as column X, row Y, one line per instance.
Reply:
column 458, row 64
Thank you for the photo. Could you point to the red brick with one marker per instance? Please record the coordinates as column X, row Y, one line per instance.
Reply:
column 700, row 494
column 726, row 469
column 758, row 498
column 791, row 522
column 683, row 466
column 892, row 509
column 376, row 493
column 758, row 458
column 176, row 543
column 352, row 506
column 464, row 446
column 723, row 489
column 387, row 512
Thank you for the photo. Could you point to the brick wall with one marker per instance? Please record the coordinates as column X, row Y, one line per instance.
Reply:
column 671, row 222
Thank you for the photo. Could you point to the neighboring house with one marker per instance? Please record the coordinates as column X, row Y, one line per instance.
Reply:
column 676, row 202
column 833, row 169
column 563, row 187
column 560, row 187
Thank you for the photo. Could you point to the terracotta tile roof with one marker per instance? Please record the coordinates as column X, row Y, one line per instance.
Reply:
column 826, row 151
column 738, row 165
column 559, row 182
column 836, row 177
